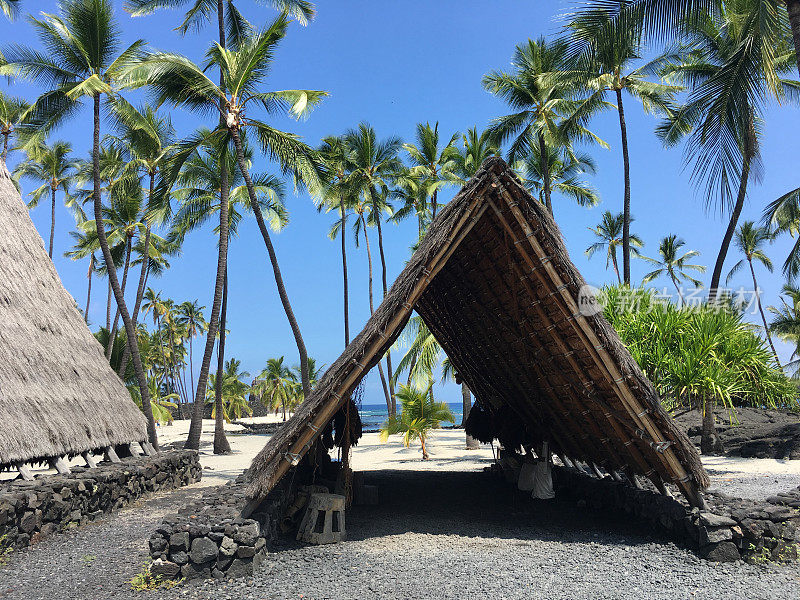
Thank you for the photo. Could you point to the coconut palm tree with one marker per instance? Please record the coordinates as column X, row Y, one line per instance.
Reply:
column 673, row 264
column 476, row 149
column 191, row 320
column 274, row 385
column 750, row 240
column 786, row 322
column 374, row 163
column 12, row 112
column 84, row 247
column 199, row 185
column 735, row 64
column 337, row 195
column 435, row 167
column 564, row 168
column 233, row 402
column 419, row 415
column 233, row 28
column 609, row 234
column 176, row 79
column 83, row 62
column 52, row 166
column 542, row 105
column 610, row 68
column 409, row 188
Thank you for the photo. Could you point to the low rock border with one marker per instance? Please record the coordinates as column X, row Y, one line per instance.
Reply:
column 209, row 537
column 728, row 530
column 33, row 510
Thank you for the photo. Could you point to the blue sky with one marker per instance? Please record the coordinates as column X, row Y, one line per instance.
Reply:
column 394, row 64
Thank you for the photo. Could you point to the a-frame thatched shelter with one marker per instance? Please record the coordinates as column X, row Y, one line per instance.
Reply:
column 58, row 394
column 493, row 282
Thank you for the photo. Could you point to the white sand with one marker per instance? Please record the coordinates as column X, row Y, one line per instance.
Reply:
column 445, row 446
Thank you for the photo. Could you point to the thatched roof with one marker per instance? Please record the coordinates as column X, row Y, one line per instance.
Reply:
column 493, row 282
column 58, row 394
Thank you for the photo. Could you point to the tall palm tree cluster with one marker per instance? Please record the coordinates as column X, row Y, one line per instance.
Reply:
column 707, row 68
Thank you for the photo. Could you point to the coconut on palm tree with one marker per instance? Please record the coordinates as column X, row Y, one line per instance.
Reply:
column 418, row 416
column 674, row 263
column 83, row 62
column 609, row 234
column 543, row 104
column 53, row 166
column 750, row 240
column 733, row 65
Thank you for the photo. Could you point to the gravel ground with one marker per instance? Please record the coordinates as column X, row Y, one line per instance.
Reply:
column 463, row 535
column 437, row 534
column 94, row 562
column 755, row 486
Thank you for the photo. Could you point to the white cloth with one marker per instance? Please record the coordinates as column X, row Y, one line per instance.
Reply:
column 542, row 488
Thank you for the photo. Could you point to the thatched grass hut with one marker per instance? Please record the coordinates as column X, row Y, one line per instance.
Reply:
column 58, row 394
column 493, row 282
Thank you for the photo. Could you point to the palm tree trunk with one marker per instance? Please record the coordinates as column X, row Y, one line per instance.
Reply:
column 115, row 326
column 761, row 310
column 677, row 288
column 89, row 289
column 371, row 311
column 123, row 365
column 393, row 407
column 191, row 362
column 424, row 449
column 5, row 146
column 793, row 8
column 726, row 240
column 52, row 220
column 196, row 426
column 344, row 279
column 108, row 305
column 626, row 204
column 709, row 441
column 466, row 406
column 545, row 168
column 287, row 307
column 616, row 266
column 221, row 445
column 112, row 277
column 434, row 204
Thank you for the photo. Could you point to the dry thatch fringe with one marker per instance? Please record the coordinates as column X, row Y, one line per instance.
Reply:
column 493, row 176
column 58, row 394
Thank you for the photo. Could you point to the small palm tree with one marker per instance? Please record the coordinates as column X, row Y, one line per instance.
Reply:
column 673, row 264
column 609, row 232
column 192, row 321
column 233, row 403
column 750, row 240
column 54, row 167
column 12, row 112
column 434, row 166
column 786, row 322
column 419, row 415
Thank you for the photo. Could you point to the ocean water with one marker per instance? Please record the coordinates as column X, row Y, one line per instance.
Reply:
column 374, row 415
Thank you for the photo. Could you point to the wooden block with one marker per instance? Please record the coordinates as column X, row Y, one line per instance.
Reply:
column 24, row 472
column 90, row 461
column 111, row 455
column 148, row 449
column 136, row 449
column 60, row 466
